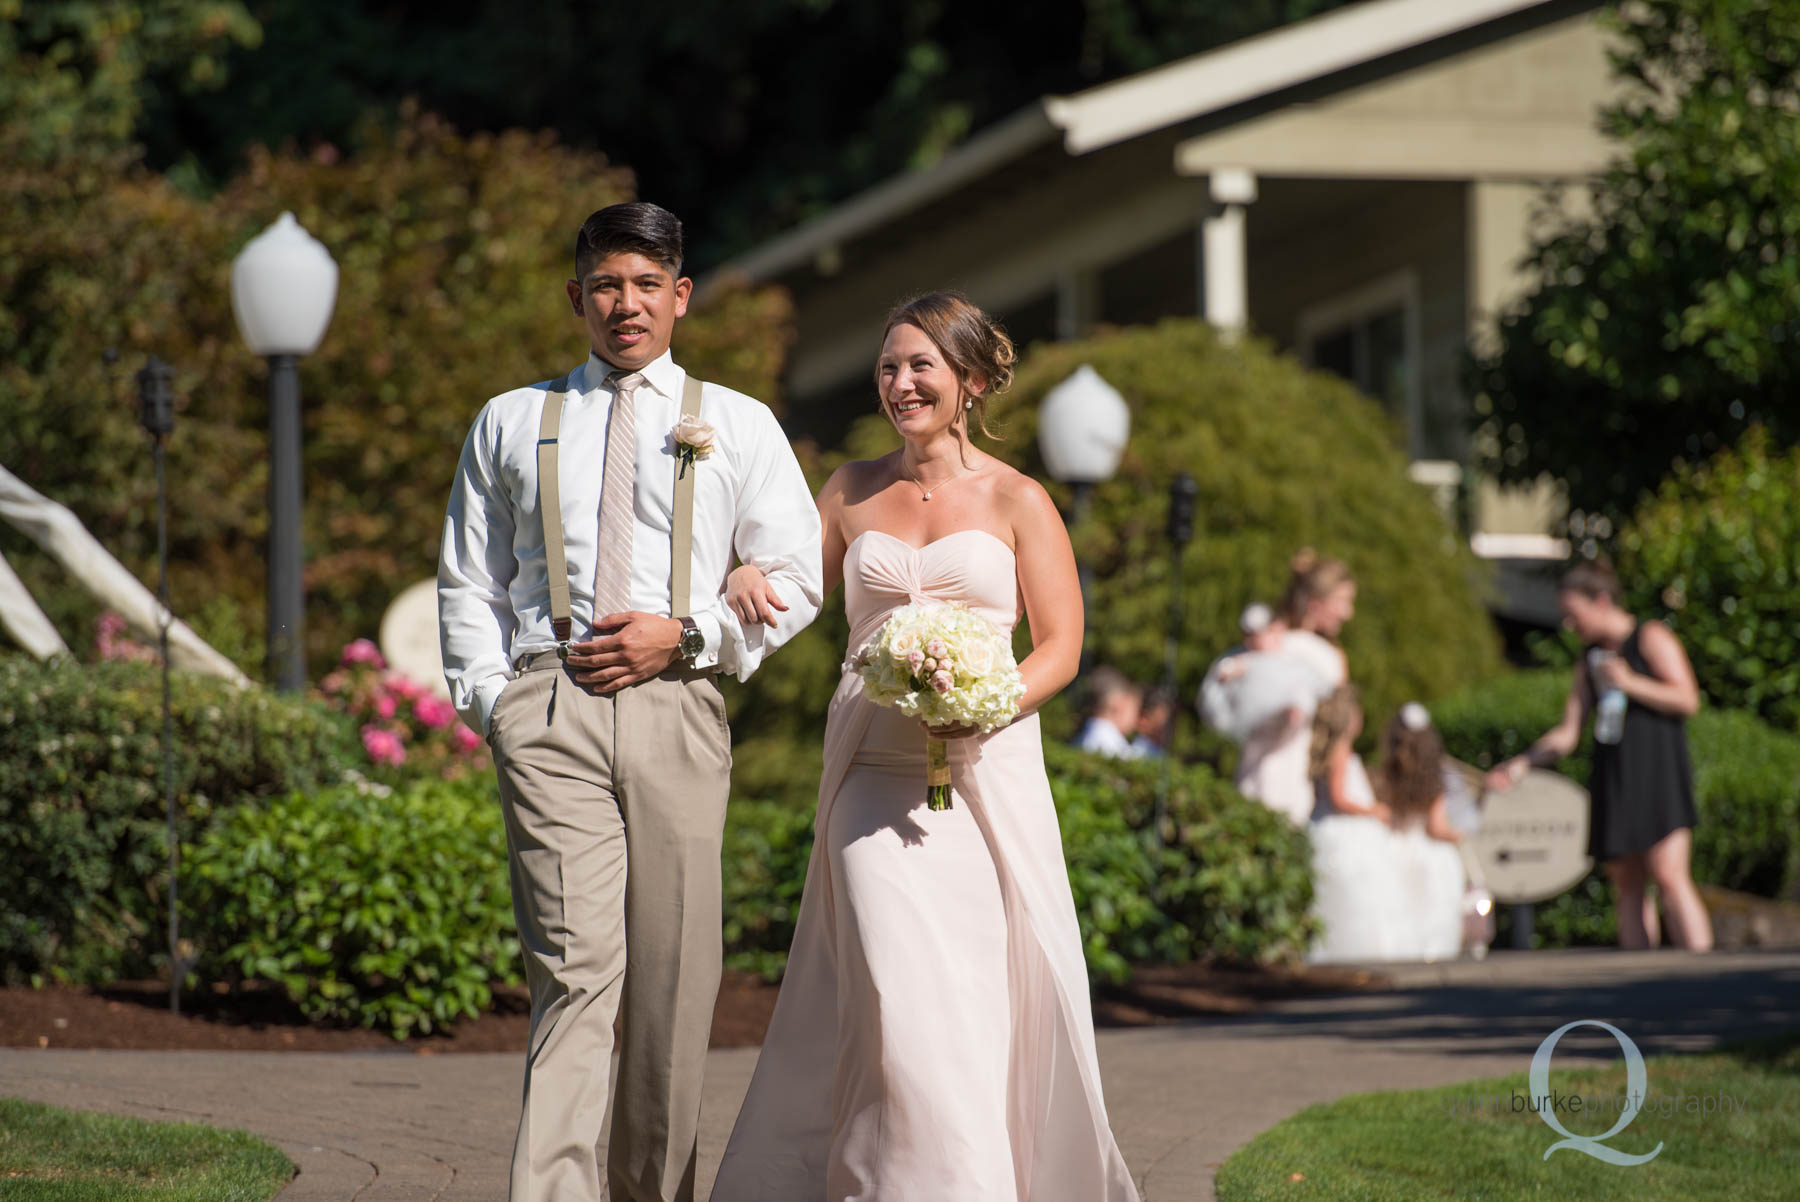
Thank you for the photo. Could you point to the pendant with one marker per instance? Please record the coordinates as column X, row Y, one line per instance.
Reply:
column 928, row 496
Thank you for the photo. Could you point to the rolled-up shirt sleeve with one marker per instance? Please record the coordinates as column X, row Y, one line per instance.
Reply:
column 777, row 532
column 475, row 566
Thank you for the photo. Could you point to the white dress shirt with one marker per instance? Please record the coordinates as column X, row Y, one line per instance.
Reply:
column 1102, row 737
column 750, row 499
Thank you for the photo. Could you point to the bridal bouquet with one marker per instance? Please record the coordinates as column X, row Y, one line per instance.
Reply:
column 945, row 665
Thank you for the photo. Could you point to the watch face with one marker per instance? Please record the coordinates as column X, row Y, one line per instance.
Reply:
column 692, row 643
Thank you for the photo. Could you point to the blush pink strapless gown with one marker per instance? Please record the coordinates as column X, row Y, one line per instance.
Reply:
column 933, row 1040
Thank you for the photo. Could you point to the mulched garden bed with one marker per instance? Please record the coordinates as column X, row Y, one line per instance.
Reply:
column 136, row 1014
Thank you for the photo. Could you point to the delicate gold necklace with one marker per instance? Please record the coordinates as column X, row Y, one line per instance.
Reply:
column 925, row 493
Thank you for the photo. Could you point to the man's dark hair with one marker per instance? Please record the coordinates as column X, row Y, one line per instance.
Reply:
column 637, row 227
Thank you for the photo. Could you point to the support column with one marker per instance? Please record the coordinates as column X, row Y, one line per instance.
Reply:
column 1224, row 254
column 1077, row 303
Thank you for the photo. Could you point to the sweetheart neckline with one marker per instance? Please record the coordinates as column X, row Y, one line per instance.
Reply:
column 932, row 543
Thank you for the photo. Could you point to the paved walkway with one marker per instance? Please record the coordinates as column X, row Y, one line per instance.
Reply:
column 377, row 1126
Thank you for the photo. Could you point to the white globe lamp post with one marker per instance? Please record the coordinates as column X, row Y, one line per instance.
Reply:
column 283, row 289
column 1083, row 426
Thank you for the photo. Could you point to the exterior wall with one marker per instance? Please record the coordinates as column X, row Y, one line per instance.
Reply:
column 1315, row 241
column 1032, row 233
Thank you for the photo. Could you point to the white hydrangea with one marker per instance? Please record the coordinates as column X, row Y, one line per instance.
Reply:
column 944, row 664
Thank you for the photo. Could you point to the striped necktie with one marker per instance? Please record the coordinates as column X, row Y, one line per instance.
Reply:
column 618, row 506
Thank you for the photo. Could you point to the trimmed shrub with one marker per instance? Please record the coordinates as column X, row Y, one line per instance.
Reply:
column 766, row 850
column 1746, row 784
column 1717, row 553
column 82, row 818
column 380, row 907
column 1234, row 880
column 1284, row 458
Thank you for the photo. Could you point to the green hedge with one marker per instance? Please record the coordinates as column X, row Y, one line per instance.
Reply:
column 1233, row 880
column 377, row 906
column 1746, row 783
column 82, row 826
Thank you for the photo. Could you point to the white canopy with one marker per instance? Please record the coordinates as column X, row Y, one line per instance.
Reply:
column 57, row 530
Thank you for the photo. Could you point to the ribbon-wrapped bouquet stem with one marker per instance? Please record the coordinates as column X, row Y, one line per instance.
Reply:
column 946, row 665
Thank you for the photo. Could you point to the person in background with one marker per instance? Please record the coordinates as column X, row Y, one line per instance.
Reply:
column 1427, row 867
column 1155, row 724
column 1635, row 679
column 1114, row 705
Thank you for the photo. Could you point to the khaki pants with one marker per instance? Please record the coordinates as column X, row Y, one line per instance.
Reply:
column 615, row 811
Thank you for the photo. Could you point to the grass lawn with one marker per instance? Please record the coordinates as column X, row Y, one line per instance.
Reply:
column 52, row 1155
column 1407, row 1145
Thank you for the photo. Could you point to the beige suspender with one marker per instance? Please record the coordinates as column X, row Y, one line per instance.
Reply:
column 550, row 510
column 681, row 541
column 681, row 537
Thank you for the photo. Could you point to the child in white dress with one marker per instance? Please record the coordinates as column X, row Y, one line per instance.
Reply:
column 1387, row 878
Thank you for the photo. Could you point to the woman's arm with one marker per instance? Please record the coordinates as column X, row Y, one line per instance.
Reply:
column 1437, row 822
column 1337, row 783
column 748, row 592
column 1051, row 590
column 1670, row 685
column 1554, row 744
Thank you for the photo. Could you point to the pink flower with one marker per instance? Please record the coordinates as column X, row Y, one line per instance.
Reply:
column 383, row 746
column 941, row 681
column 386, row 705
column 930, row 664
column 916, row 660
column 434, row 712
column 334, row 682
column 464, row 739
column 404, row 687
column 362, row 651
column 947, row 665
column 936, row 649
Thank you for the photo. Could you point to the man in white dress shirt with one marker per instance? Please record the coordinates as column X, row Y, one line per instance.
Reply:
column 607, row 726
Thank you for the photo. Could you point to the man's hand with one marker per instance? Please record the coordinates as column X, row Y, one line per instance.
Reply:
column 632, row 647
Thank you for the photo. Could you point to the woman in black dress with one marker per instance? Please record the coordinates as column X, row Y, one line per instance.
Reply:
column 1643, row 783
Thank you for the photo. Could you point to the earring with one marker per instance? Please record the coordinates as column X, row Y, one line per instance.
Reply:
column 968, row 404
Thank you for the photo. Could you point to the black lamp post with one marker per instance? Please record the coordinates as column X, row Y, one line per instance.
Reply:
column 156, row 413
column 1182, row 493
column 283, row 288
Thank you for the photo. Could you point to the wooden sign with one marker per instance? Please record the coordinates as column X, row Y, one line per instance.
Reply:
column 1532, row 843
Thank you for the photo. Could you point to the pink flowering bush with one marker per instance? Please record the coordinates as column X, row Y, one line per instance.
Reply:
column 405, row 726
column 113, row 641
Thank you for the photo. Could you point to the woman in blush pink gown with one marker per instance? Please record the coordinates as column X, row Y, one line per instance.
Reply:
column 933, row 1040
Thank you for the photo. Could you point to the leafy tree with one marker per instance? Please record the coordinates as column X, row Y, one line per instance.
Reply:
column 1717, row 552
column 1664, row 324
column 452, row 252
column 80, row 70
column 745, row 117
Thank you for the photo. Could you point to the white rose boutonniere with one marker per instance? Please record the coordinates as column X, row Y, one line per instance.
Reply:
column 694, row 439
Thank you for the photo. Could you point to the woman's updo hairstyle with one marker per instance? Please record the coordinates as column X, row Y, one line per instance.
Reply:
column 972, row 343
column 1312, row 578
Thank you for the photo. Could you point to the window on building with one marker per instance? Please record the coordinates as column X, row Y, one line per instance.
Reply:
column 1370, row 337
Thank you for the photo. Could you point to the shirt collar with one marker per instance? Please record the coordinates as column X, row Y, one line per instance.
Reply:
column 662, row 374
